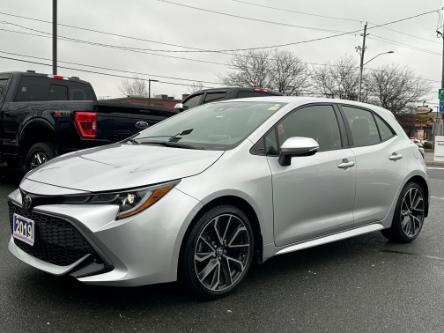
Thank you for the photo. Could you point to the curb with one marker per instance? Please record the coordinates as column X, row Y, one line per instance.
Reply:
column 435, row 164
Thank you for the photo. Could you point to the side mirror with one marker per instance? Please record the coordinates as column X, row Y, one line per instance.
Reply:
column 297, row 146
column 179, row 107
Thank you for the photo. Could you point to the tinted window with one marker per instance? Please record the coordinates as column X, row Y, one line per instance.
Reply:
column 252, row 93
column 32, row 89
column 80, row 91
column 192, row 101
column 58, row 92
column 318, row 122
column 3, row 83
column 362, row 125
column 214, row 96
column 214, row 126
column 384, row 129
column 45, row 89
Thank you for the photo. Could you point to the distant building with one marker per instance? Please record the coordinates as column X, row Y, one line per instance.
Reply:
column 163, row 101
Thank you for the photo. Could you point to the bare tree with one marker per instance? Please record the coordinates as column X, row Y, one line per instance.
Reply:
column 288, row 74
column 251, row 69
column 195, row 86
column 339, row 80
column 394, row 88
column 277, row 70
column 135, row 87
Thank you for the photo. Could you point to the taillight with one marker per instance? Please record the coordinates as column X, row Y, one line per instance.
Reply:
column 86, row 123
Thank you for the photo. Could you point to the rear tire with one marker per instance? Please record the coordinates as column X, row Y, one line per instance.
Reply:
column 217, row 253
column 38, row 154
column 409, row 215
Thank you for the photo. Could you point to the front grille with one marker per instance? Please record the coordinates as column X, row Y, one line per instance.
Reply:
column 56, row 240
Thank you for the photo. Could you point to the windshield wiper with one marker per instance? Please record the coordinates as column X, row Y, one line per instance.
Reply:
column 172, row 144
column 171, row 138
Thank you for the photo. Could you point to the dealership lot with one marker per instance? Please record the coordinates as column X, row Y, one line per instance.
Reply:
column 360, row 284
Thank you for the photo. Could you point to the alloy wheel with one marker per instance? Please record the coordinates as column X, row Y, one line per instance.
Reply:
column 37, row 159
column 412, row 212
column 222, row 251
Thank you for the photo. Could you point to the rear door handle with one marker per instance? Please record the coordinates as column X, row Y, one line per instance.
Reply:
column 395, row 157
column 346, row 164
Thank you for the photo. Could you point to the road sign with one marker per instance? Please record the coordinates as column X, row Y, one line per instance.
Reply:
column 441, row 107
column 441, row 95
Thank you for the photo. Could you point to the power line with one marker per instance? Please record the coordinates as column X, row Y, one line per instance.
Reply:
column 248, row 18
column 201, row 50
column 111, row 69
column 402, row 44
column 76, row 40
column 410, row 35
column 96, row 72
column 286, row 10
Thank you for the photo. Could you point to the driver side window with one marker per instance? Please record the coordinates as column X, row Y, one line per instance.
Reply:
column 318, row 122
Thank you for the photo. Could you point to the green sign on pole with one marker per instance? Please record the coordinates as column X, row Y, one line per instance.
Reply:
column 441, row 95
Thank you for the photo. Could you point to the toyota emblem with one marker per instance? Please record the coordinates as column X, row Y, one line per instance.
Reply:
column 26, row 202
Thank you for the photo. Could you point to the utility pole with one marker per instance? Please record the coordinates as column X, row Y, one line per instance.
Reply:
column 54, row 37
column 361, row 64
column 438, row 130
column 149, row 89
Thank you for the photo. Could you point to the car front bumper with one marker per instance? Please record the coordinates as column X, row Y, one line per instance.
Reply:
column 140, row 250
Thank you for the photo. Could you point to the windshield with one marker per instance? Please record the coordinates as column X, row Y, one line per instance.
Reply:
column 217, row 126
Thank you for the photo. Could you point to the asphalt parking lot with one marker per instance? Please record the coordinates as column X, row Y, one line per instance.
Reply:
column 364, row 284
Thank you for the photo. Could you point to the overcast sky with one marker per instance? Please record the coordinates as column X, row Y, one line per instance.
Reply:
column 163, row 22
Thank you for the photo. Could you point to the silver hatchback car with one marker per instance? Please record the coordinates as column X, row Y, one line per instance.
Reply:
column 200, row 196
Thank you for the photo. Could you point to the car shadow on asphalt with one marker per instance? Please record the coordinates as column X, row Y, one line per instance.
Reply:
column 261, row 279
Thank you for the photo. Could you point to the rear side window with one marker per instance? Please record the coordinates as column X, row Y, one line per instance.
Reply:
column 3, row 83
column 32, row 89
column 252, row 93
column 80, row 91
column 384, row 129
column 58, row 92
column 192, row 101
column 214, row 96
column 46, row 89
column 362, row 126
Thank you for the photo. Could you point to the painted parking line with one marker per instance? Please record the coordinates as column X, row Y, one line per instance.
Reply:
column 437, row 198
column 435, row 168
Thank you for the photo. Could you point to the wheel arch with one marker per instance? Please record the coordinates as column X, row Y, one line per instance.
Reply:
column 241, row 204
column 425, row 188
column 36, row 130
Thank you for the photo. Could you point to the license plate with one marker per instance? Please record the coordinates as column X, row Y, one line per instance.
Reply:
column 23, row 229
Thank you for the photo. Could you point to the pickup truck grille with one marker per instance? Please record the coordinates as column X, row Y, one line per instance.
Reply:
column 57, row 241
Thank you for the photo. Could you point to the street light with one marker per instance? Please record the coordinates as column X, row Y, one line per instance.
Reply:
column 149, row 89
column 361, row 69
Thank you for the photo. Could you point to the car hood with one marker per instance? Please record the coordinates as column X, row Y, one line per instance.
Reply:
column 121, row 166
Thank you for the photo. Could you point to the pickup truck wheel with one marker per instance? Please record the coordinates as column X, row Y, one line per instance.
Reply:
column 38, row 154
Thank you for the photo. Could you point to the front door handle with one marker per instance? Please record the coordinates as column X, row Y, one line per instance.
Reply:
column 395, row 157
column 346, row 164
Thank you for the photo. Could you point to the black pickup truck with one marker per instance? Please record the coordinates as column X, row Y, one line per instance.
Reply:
column 42, row 116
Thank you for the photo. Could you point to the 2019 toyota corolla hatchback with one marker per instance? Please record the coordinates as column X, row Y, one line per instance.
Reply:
column 198, row 196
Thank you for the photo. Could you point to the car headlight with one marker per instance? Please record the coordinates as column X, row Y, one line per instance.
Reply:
column 130, row 202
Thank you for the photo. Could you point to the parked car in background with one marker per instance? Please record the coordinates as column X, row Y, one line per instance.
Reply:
column 219, row 94
column 42, row 116
column 199, row 196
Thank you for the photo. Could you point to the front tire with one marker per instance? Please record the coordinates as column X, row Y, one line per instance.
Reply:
column 218, row 252
column 409, row 215
column 38, row 154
